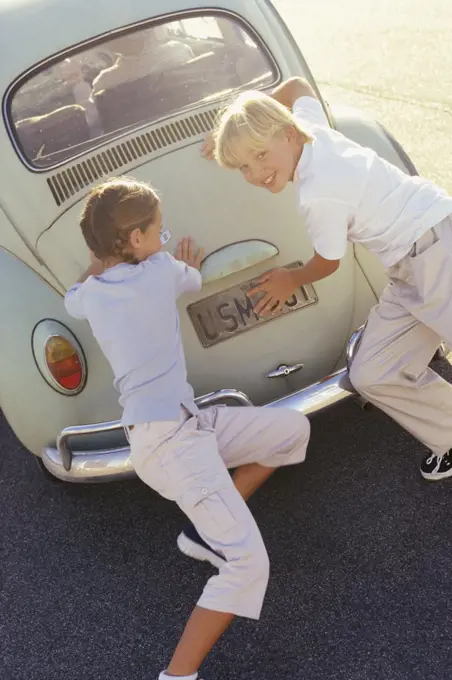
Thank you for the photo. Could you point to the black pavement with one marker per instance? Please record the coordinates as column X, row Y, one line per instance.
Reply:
column 93, row 587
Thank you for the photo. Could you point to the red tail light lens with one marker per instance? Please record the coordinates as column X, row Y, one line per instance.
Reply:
column 63, row 363
column 59, row 357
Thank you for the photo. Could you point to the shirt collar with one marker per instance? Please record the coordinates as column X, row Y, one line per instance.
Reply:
column 303, row 163
column 118, row 272
column 126, row 270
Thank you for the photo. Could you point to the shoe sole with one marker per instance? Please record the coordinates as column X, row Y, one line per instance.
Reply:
column 198, row 552
column 437, row 476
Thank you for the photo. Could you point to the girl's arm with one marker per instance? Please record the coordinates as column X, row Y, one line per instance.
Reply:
column 95, row 269
column 188, row 259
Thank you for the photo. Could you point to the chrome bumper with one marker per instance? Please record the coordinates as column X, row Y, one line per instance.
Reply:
column 114, row 464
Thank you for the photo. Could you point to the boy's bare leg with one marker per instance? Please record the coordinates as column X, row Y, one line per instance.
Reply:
column 203, row 629
column 248, row 478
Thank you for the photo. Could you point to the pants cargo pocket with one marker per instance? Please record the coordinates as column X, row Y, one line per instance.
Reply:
column 207, row 507
column 151, row 472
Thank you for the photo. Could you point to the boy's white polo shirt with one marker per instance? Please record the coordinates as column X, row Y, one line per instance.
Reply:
column 348, row 193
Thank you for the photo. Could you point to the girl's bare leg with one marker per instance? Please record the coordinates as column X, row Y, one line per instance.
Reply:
column 249, row 478
column 205, row 627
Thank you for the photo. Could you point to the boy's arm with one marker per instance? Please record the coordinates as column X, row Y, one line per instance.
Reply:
column 326, row 220
column 279, row 285
column 290, row 90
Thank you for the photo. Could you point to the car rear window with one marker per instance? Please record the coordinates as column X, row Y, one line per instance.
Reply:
column 152, row 72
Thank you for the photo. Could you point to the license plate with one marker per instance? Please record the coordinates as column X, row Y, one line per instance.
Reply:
column 229, row 313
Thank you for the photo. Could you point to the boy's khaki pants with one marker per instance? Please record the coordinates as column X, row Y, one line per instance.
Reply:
column 403, row 332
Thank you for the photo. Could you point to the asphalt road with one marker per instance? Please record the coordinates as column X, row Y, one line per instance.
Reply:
column 92, row 585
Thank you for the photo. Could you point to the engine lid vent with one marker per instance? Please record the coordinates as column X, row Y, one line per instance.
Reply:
column 77, row 177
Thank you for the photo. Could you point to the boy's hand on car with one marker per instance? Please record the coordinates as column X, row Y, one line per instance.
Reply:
column 188, row 252
column 277, row 287
column 208, row 147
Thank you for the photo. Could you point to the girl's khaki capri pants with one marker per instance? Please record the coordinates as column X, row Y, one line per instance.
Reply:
column 188, row 461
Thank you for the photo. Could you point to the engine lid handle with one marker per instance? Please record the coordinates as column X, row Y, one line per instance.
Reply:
column 283, row 371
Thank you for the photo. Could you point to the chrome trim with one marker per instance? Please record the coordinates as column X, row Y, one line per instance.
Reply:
column 216, row 397
column 91, row 466
column 353, row 345
column 114, row 464
column 283, row 371
column 62, row 445
column 110, row 35
column 318, row 396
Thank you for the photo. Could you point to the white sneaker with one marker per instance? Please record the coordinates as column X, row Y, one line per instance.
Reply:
column 435, row 468
column 164, row 676
column 191, row 544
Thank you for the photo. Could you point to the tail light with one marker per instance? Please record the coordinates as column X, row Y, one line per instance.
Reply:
column 59, row 357
column 63, row 362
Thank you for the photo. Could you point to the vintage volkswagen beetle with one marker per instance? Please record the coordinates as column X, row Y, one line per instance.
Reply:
column 133, row 88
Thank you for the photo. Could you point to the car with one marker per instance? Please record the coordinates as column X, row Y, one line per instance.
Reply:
column 133, row 89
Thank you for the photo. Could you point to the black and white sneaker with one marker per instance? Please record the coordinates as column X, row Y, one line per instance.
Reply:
column 435, row 467
column 191, row 544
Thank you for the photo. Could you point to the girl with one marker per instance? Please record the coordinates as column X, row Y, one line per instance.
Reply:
column 129, row 296
column 347, row 193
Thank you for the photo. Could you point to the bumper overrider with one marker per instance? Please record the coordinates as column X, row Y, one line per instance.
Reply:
column 66, row 463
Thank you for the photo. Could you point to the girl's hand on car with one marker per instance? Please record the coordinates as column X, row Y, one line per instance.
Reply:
column 188, row 252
